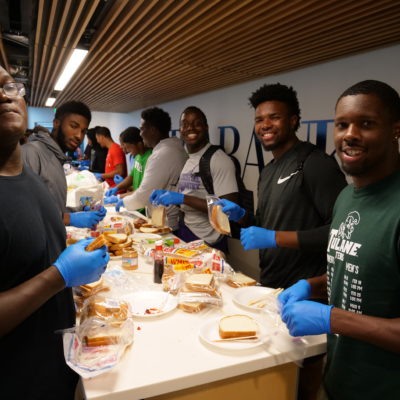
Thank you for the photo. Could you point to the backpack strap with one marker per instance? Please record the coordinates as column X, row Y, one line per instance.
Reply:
column 205, row 170
column 306, row 149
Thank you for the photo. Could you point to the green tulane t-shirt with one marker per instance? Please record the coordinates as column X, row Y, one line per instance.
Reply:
column 139, row 165
column 364, row 277
column 137, row 171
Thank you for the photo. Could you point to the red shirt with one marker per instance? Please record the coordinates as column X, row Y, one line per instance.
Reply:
column 115, row 156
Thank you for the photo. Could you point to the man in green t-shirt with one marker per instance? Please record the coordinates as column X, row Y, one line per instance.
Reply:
column 132, row 143
column 362, row 283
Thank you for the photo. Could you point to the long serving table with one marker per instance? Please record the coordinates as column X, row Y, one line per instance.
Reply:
column 168, row 360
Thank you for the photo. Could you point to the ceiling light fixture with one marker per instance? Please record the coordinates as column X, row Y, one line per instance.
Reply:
column 50, row 101
column 72, row 65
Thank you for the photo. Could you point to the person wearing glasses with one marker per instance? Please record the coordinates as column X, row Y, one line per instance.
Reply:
column 45, row 154
column 36, row 273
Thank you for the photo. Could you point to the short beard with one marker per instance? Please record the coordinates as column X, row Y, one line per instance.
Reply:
column 62, row 141
column 270, row 147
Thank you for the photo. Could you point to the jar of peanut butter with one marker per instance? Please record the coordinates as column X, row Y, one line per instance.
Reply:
column 129, row 259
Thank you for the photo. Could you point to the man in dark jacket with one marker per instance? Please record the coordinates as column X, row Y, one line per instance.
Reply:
column 45, row 155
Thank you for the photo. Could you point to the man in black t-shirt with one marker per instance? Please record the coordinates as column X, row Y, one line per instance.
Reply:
column 296, row 194
column 35, row 273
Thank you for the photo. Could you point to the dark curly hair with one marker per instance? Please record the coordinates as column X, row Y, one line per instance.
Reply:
column 102, row 131
column 389, row 97
column 131, row 135
column 73, row 107
column 277, row 92
column 158, row 118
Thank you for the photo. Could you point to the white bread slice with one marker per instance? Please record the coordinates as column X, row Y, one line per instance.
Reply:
column 149, row 229
column 116, row 237
column 238, row 325
column 159, row 216
column 220, row 220
column 239, row 280
column 192, row 307
column 200, row 280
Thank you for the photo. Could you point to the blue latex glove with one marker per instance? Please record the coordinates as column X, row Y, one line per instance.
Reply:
column 112, row 191
column 231, row 209
column 155, row 195
column 169, row 198
column 301, row 290
column 83, row 168
column 79, row 267
column 98, row 176
column 118, row 179
column 87, row 219
column 257, row 238
column 111, row 200
column 307, row 318
column 119, row 204
column 85, row 163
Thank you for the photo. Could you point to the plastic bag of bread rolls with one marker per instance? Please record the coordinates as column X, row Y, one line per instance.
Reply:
column 105, row 331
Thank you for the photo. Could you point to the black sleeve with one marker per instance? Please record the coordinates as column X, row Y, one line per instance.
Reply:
column 314, row 239
column 323, row 181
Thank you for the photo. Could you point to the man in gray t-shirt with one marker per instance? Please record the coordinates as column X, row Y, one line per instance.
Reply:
column 191, row 194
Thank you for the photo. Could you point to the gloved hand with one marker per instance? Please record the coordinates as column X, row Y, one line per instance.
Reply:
column 118, row 179
column 155, row 195
column 83, row 167
column 111, row 200
column 98, row 176
column 79, row 267
column 301, row 290
column 169, row 198
column 231, row 209
column 84, row 163
column 112, row 191
column 307, row 318
column 119, row 204
column 257, row 238
column 87, row 219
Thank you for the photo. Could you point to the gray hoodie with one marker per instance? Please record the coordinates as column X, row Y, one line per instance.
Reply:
column 44, row 156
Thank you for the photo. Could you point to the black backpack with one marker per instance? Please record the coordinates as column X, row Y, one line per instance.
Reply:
column 246, row 198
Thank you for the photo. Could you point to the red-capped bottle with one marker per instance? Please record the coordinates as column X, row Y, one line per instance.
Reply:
column 158, row 262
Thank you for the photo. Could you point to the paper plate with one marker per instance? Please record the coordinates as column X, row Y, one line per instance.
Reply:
column 244, row 295
column 209, row 333
column 150, row 303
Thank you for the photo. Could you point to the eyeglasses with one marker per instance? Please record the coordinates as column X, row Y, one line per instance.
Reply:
column 14, row 89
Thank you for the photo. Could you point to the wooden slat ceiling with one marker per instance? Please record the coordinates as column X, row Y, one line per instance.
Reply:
column 147, row 52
